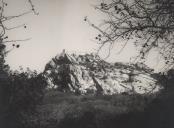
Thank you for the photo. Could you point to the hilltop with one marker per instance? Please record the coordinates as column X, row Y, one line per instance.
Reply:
column 88, row 74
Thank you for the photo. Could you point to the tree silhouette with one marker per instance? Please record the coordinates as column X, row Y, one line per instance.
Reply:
column 148, row 23
column 6, row 78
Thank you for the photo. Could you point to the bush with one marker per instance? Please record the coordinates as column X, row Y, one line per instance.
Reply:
column 66, row 110
column 27, row 89
column 23, row 92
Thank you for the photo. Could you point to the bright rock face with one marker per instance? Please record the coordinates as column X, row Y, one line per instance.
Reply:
column 87, row 74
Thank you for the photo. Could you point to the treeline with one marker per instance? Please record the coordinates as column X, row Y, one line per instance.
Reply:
column 20, row 93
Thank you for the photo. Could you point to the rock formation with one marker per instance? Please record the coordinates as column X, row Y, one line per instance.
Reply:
column 88, row 74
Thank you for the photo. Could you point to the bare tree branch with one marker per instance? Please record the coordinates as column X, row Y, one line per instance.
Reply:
column 149, row 22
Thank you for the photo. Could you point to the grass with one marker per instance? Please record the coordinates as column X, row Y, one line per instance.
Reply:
column 66, row 110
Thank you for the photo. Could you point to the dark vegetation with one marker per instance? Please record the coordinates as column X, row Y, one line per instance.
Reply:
column 20, row 95
column 25, row 103
column 19, row 92
column 66, row 110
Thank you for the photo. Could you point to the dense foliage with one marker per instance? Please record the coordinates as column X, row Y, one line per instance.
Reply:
column 19, row 92
column 66, row 110
column 22, row 93
column 27, row 89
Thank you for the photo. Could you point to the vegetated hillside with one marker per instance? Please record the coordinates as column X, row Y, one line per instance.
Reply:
column 88, row 74
column 83, row 74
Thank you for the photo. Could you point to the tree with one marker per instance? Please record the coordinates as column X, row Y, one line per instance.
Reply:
column 5, row 78
column 149, row 23
column 26, row 90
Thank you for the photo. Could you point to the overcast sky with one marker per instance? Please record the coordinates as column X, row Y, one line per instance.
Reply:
column 58, row 26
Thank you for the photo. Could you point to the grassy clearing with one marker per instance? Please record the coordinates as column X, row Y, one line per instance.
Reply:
column 60, row 110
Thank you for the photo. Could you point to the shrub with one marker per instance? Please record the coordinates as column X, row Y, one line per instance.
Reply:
column 23, row 92
column 27, row 89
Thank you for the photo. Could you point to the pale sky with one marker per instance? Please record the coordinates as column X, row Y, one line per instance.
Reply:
column 58, row 26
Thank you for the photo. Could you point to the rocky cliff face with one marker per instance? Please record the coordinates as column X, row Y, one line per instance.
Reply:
column 89, row 74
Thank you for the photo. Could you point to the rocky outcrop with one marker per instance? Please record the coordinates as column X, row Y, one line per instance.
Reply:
column 88, row 74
